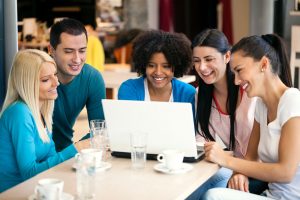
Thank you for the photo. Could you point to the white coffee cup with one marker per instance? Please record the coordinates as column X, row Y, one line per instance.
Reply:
column 91, row 154
column 172, row 158
column 49, row 189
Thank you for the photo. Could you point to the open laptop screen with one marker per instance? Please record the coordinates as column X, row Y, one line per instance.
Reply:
column 168, row 125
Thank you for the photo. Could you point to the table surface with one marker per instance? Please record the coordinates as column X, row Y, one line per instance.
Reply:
column 123, row 182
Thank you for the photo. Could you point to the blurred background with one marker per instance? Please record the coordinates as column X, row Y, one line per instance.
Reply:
column 25, row 23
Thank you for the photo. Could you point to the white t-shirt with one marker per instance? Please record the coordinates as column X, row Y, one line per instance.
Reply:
column 288, row 107
column 147, row 95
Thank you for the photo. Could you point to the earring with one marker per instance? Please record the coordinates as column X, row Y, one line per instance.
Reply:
column 262, row 69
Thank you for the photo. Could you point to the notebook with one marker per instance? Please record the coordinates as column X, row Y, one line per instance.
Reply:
column 168, row 125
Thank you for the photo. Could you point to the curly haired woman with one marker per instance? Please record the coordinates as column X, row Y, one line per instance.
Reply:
column 159, row 58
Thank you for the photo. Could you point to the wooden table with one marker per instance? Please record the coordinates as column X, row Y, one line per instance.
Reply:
column 113, row 80
column 123, row 182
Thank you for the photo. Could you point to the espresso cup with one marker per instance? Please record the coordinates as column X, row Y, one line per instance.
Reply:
column 49, row 189
column 172, row 159
column 91, row 154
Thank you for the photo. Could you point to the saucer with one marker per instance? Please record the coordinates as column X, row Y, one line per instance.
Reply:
column 104, row 166
column 183, row 169
column 65, row 196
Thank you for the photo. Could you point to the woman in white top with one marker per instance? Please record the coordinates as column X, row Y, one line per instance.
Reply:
column 261, row 68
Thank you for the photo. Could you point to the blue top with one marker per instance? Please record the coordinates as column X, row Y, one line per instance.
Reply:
column 23, row 154
column 86, row 89
column 134, row 89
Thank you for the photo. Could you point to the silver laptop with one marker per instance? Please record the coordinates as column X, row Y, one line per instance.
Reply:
column 168, row 125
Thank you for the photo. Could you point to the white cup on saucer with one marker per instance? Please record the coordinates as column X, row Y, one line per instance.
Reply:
column 49, row 189
column 173, row 159
column 90, row 154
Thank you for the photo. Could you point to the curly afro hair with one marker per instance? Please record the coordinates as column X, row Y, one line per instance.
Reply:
column 176, row 47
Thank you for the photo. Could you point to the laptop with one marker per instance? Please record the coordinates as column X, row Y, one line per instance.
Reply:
column 168, row 125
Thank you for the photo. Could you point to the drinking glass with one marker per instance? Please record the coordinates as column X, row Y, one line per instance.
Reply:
column 85, row 174
column 99, row 136
column 138, row 141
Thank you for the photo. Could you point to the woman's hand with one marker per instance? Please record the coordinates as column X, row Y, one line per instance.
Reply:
column 214, row 153
column 83, row 144
column 239, row 182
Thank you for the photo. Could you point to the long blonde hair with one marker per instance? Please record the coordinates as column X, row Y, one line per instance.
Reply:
column 23, row 85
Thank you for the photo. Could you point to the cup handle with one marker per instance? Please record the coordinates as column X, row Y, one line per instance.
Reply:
column 160, row 158
column 38, row 191
column 77, row 156
column 78, row 159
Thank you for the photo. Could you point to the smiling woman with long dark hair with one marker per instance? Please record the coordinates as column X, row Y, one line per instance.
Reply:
column 223, row 110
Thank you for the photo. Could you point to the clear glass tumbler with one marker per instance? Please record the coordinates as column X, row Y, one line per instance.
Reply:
column 85, row 176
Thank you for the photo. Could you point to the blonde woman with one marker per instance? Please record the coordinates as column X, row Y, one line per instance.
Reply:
column 26, row 145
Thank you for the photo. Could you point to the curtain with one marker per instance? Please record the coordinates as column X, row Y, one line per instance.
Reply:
column 226, row 18
column 166, row 15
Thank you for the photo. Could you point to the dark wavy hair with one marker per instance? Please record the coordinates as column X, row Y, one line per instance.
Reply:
column 174, row 46
column 271, row 46
column 217, row 40
column 67, row 25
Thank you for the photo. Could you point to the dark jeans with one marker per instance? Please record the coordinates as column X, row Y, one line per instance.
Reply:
column 257, row 186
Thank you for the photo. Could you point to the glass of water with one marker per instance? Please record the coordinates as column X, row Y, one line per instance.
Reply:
column 138, row 142
column 99, row 136
column 85, row 175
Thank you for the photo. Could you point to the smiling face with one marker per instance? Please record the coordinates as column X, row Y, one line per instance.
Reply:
column 248, row 73
column 159, row 72
column 70, row 56
column 210, row 64
column 48, row 82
